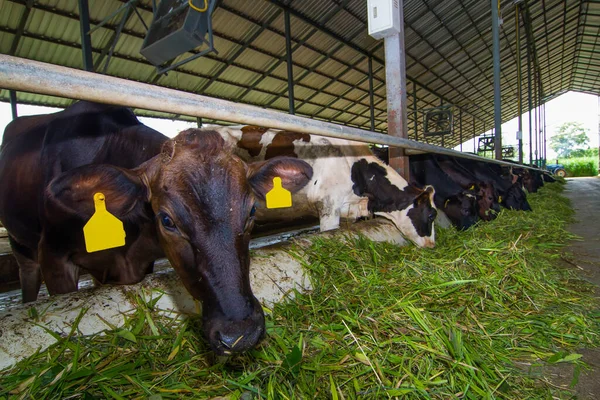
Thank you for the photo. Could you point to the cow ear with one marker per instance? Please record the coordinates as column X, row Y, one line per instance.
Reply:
column 71, row 194
column 426, row 196
column 294, row 175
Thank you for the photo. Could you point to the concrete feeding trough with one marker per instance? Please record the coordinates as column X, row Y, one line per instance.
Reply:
column 275, row 272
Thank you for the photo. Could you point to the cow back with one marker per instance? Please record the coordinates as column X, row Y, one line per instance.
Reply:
column 37, row 149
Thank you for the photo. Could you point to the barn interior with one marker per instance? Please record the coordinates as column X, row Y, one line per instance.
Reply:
column 316, row 60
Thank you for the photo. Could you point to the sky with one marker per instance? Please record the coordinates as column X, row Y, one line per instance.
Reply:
column 569, row 107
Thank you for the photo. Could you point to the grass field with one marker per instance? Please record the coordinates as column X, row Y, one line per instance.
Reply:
column 464, row 320
column 583, row 166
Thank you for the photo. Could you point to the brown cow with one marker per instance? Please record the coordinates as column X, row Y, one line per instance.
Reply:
column 189, row 198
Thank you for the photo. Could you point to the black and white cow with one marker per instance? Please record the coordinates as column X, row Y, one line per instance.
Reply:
column 459, row 204
column 348, row 182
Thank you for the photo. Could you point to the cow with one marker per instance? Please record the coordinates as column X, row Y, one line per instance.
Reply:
column 349, row 182
column 510, row 189
column 532, row 180
column 459, row 205
column 189, row 198
column 487, row 196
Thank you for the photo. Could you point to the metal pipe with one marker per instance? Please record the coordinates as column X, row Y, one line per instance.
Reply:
column 290, row 66
column 199, row 122
column 395, row 81
column 371, row 101
column 86, row 41
column 497, row 97
column 42, row 78
column 519, row 84
column 13, row 103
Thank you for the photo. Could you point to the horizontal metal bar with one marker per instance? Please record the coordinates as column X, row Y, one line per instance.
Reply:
column 37, row 77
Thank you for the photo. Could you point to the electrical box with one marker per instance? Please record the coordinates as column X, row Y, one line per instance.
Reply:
column 384, row 18
column 519, row 135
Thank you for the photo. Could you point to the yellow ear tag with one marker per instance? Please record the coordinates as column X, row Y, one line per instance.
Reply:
column 499, row 199
column 278, row 197
column 104, row 230
column 472, row 187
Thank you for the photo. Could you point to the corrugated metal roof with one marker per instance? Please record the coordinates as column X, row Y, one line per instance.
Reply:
column 448, row 54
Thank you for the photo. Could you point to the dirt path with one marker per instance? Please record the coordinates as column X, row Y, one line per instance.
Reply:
column 585, row 197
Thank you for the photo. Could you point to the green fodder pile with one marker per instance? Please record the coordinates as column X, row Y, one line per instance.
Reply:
column 463, row 320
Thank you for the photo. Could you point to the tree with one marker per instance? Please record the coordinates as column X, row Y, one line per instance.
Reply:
column 571, row 136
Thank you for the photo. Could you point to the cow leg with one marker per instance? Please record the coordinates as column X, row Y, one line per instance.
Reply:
column 329, row 215
column 30, row 275
column 150, row 268
column 60, row 274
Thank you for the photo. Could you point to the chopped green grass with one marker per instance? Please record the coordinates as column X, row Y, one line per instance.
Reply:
column 457, row 321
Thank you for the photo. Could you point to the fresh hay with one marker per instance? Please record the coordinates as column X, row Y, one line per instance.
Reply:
column 463, row 320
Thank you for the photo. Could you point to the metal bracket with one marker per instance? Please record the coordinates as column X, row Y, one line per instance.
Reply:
column 177, row 28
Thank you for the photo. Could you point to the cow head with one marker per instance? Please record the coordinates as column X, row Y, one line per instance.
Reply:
column 201, row 198
column 411, row 209
column 514, row 198
column 461, row 209
column 487, row 201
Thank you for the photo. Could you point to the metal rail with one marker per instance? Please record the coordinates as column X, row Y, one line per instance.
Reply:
column 37, row 77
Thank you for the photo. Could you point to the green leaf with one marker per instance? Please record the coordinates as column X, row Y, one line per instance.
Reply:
column 334, row 393
column 126, row 334
column 292, row 360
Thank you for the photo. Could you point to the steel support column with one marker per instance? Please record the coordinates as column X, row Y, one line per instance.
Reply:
column 474, row 150
column 290, row 66
column 530, row 104
column 536, row 132
column 371, row 102
column 13, row 103
column 460, row 129
column 395, row 78
column 497, row 100
column 519, row 85
column 416, row 118
column 86, row 42
column 545, row 145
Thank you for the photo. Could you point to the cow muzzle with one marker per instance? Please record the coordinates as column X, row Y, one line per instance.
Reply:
column 230, row 336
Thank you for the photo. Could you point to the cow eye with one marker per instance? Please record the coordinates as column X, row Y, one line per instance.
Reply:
column 432, row 216
column 253, row 211
column 166, row 221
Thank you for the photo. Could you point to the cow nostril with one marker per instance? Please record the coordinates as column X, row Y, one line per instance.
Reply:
column 229, row 342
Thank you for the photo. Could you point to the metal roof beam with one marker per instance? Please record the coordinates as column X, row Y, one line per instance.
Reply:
column 242, row 47
column 325, row 57
column 145, row 62
column 531, row 42
column 359, row 49
column 21, row 27
column 580, row 22
column 112, row 42
column 131, row 33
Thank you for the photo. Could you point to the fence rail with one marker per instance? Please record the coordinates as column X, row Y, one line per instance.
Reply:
column 42, row 78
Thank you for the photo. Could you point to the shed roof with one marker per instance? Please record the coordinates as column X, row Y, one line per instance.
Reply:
column 448, row 55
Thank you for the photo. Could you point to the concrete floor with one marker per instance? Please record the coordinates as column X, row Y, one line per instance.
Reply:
column 585, row 197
